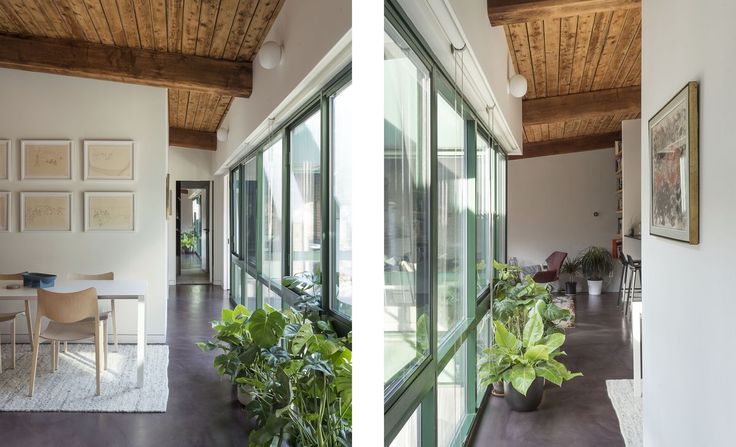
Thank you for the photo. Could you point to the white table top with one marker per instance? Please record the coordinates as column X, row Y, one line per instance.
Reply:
column 118, row 289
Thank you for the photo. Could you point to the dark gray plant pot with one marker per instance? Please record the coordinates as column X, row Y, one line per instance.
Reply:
column 571, row 288
column 530, row 402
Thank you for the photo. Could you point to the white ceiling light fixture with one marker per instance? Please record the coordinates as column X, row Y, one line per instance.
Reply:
column 270, row 55
column 517, row 84
column 222, row 134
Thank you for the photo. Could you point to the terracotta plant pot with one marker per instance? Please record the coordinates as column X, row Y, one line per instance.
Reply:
column 518, row 402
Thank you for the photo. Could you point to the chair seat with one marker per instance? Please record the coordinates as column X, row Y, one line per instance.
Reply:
column 69, row 331
column 7, row 316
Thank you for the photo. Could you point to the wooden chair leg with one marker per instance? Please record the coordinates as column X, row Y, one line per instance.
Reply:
column 66, row 348
column 12, row 343
column 34, row 362
column 1, row 357
column 105, row 329
column 53, row 355
column 98, row 336
column 114, row 326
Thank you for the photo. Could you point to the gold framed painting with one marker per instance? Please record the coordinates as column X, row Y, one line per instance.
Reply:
column 109, row 160
column 46, row 160
column 4, row 211
column 5, row 159
column 46, row 211
column 109, row 211
column 673, row 155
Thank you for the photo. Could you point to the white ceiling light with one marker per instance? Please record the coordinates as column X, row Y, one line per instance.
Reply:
column 517, row 86
column 222, row 135
column 270, row 55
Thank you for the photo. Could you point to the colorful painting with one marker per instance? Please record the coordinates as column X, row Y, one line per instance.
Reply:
column 109, row 211
column 673, row 143
column 46, row 211
column 46, row 159
column 108, row 160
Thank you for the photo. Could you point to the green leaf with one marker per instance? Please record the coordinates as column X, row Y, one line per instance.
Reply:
column 553, row 341
column 504, row 338
column 521, row 377
column 549, row 373
column 537, row 353
column 241, row 310
column 533, row 330
column 266, row 328
column 302, row 337
column 227, row 315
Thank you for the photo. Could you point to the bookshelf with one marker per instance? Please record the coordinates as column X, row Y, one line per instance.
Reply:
column 617, row 240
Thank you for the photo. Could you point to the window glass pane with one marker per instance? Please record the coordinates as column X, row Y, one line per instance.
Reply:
column 236, row 282
column 270, row 297
column 305, row 186
column 451, row 384
column 250, row 176
column 500, row 206
column 272, row 219
column 406, row 208
column 483, row 341
column 409, row 434
column 451, row 207
column 342, row 203
column 483, row 213
column 250, row 292
column 235, row 211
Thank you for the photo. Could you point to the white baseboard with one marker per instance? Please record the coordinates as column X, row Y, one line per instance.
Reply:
column 217, row 283
column 151, row 339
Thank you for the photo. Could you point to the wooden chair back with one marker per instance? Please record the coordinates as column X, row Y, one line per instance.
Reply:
column 11, row 277
column 68, row 307
column 109, row 276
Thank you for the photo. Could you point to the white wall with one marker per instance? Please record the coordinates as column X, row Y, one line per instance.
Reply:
column 631, row 162
column 689, row 307
column 187, row 164
column 39, row 105
column 551, row 201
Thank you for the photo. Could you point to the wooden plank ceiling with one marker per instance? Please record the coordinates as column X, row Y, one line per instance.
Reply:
column 593, row 58
column 231, row 30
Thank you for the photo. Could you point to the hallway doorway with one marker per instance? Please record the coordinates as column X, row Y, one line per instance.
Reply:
column 193, row 238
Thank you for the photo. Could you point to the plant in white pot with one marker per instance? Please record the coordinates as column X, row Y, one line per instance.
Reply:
column 596, row 264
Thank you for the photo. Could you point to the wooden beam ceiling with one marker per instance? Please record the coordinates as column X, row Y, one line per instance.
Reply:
column 586, row 105
column 569, row 145
column 132, row 65
column 507, row 12
column 194, row 139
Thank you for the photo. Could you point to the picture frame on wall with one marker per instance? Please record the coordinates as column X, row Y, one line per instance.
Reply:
column 46, row 160
column 673, row 146
column 109, row 159
column 5, row 162
column 5, row 211
column 46, row 211
column 109, row 211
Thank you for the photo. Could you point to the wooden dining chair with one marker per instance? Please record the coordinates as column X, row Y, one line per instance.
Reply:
column 72, row 317
column 109, row 276
column 10, row 316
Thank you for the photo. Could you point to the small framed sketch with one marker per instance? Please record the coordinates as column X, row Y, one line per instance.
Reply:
column 673, row 146
column 46, row 159
column 46, row 211
column 4, row 212
column 109, row 211
column 5, row 160
column 109, row 160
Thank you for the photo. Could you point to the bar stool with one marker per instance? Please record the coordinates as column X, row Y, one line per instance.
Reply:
column 635, row 267
column 622, row 291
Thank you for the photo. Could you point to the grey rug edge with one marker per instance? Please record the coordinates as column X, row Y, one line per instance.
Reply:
column 620, row 393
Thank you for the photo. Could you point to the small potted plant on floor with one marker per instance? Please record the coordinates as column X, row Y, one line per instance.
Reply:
column 596, row 263
column 188, row 242
column 571, row 268
column 524, row 363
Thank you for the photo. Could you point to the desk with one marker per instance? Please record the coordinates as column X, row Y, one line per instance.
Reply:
column 118, row 289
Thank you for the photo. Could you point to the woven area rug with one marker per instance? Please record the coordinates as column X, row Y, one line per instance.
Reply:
column 72, row 386
column 628, row 410
column 566, row 302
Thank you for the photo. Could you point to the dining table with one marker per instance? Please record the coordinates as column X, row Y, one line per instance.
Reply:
column 117, row 289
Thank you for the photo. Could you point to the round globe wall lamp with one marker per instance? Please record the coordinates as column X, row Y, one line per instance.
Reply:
column 222, row 135
column 270, row 55
column 517, row 84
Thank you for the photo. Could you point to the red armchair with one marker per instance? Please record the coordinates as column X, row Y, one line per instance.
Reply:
column 554, row 263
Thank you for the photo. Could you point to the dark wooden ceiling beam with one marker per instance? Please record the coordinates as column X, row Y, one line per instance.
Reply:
column 132, row 65
column 193, row 139
column 568, row 145
column 507, row 12
column 587, row 105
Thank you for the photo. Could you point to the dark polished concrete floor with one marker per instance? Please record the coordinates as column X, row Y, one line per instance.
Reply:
column 579, row 413
column 192, row 271
column 202, row 409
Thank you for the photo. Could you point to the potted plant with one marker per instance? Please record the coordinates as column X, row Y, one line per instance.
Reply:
column 571, row 268
column 188, row 241
column 524, row 362
column 596, row 263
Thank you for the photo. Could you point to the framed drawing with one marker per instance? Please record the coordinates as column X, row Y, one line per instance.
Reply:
column 673, row 146
column 109, row 211
column 46, row 211
column 109, row 160
column 4, row 212
column 5, row 160
column 46, row 159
